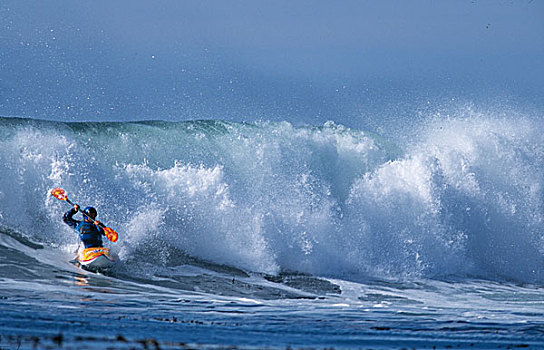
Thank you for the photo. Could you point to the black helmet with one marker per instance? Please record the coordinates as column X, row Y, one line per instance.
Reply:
column 90, row 211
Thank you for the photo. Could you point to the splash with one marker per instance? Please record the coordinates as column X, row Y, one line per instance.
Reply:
column 462, row 198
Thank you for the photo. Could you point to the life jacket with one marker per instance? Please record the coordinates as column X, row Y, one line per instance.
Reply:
column 90, row 234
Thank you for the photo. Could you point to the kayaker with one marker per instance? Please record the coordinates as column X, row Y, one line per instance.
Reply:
column 89, row 230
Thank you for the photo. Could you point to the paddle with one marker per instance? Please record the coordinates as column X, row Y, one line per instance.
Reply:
column 60, row 194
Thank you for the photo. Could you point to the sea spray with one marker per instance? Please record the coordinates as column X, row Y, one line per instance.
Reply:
column 463, row 198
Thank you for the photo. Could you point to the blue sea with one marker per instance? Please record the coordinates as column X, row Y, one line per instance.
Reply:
column 269, row 235
column 281, row 174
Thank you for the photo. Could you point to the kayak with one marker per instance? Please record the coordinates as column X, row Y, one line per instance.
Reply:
column 95, row 259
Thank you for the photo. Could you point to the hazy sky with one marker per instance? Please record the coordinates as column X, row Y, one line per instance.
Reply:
column 295, row 60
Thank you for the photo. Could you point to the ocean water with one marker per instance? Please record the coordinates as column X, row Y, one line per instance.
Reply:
column 271, row 235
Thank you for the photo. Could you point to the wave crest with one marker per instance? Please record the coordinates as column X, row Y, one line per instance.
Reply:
column 463, row 198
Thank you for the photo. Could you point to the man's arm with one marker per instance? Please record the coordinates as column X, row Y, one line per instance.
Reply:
column 100, row 229
column 67, row 218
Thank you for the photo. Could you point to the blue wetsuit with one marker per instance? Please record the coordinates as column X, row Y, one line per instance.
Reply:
column 90, row 234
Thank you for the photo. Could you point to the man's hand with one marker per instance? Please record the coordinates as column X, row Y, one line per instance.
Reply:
column 97, row 223
column 76, row 207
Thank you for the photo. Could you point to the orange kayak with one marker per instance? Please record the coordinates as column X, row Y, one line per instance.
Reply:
column 95, row 258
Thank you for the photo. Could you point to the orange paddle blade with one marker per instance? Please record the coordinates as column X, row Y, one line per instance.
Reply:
column 59, row 193
column 111, row 234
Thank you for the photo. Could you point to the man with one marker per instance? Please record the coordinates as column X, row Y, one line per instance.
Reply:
column 89, row 230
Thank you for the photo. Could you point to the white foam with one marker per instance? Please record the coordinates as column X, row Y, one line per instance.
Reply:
column 464, row 198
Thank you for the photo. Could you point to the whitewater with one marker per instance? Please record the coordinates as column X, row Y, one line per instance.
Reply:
column 274, row 235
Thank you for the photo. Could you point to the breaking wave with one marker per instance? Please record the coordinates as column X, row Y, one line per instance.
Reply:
column 462, row 198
